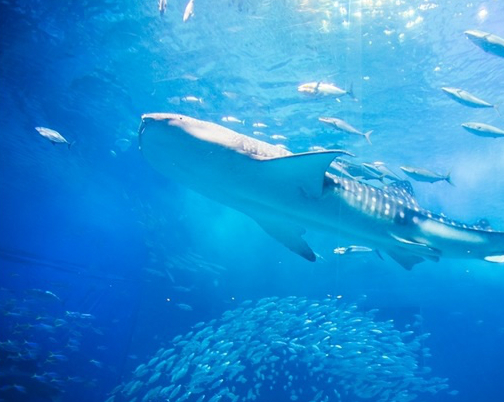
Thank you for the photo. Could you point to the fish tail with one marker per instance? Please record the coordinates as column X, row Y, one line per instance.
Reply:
column 351, row 93
column 367, row 135
column 496, row 107
column 449, row 180
column 70, row 144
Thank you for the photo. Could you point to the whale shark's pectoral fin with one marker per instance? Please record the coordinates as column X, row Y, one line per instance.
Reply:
column 407, row 261
column 415, row 246
column 307, row 170
column 403, row 253
column 289, row 235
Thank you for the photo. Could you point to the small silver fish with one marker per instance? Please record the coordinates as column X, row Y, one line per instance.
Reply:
column 53, row 136
column 379, row 169
column 325, row 89
column 373, row 170
column 96, row 363
column 189, row 11
column 231, row 119
column 354, row 171
column 352, row 249
column 490, row 43
column 185, row 307
column 259, row 125
column 278, row 137
column 483, row 130
column 419, row 174
column 465, row 98
column 162, row 6
column 343, row 126
column 43, row 294
column 191, row 99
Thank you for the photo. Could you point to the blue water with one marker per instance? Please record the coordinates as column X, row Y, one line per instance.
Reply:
column 147, row 259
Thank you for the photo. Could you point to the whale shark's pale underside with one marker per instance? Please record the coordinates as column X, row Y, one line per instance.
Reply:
column 287, row 193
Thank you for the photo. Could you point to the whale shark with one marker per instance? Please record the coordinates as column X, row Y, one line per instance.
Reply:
column 289, row 193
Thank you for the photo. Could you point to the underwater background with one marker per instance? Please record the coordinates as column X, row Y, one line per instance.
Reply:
column 105, row 263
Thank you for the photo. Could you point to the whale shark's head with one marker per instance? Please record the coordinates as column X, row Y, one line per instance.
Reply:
column 178, row 145
column 170, row 142
column 163, row 129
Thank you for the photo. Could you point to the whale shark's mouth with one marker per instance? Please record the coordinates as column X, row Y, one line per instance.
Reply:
column 151, row 117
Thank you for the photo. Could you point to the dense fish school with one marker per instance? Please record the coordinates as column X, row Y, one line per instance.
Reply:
column 287, row 349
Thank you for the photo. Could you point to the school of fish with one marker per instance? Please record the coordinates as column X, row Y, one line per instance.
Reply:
column 291, row 348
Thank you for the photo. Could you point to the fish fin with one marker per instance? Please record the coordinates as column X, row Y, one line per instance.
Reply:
column 341, row 171
column 414, row 245
column 407, row 261
column 367, row 135
column 448, row 179
column 307, row 170
column 289, row 235
column 432, row 258
column 350, row 93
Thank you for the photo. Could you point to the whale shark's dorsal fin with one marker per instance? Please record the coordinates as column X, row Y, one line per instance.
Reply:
column 289, row 235
column 307, row 170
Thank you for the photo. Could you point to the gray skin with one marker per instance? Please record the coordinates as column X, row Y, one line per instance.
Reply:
column 343, row 126
column 425, row 175
column 483, row 130
column 465, row 98
column 288, row 193
column 53, row 136
column 354, row 171
column 387, row 173
column 490, row 43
